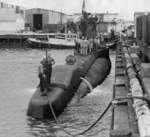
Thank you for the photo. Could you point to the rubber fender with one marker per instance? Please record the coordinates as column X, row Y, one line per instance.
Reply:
column 96, row 75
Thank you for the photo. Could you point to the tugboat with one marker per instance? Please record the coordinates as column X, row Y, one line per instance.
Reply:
column 65, row 82
column 54, row 41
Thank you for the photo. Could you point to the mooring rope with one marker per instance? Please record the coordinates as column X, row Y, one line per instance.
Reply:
column 99, row 118
column 86, row 130
column 58, row 122
column 87, row 83
column 112, row 102
column 91, row 126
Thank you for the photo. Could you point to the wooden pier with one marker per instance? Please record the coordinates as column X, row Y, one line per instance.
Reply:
column 19, row 39
column 130, row 114
column 7, row 40
column 123, row 123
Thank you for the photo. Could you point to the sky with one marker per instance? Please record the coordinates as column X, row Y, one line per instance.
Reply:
column 125, row 8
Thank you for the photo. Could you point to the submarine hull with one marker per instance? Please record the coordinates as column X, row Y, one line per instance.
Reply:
column 95, row 75
column 60, row 93
column 40, row 105
column 65, row 82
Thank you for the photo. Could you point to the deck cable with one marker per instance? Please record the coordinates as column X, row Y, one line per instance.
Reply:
column 112, row 102
column 58, row 122
column 115, row 101
column 91, row 126
column 86, row 130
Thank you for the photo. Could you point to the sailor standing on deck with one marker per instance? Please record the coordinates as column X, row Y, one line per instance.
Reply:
column 42, row 76
column 78, row 47
column 45, row 71
column 50, row 62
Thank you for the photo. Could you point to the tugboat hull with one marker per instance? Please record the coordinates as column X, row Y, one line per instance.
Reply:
column 40, row 44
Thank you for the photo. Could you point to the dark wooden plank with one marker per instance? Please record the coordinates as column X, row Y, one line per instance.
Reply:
column 121, row 120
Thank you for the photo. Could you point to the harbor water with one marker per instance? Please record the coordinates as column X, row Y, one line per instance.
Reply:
column 18, row 80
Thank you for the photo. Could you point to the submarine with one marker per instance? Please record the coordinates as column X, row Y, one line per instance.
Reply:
column 66, row 80
column 95, row 75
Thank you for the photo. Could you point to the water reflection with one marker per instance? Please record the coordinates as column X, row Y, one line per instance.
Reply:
column 40, row 128
column 18, row 79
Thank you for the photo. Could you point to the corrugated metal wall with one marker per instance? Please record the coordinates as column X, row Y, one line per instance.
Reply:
column 10, row 22
column 143, row 35
column 143, row 28
column 57, row 17
column 7, row 14
column 30, row 13
column 138, row 28
column 106, row 27
column 102, row 27
column 110, row 17
column 54, row 18
column 49, row 18
column 18, row 9
column 148, row 29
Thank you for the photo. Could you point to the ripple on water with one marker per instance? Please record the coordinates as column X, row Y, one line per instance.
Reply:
column 18, row 73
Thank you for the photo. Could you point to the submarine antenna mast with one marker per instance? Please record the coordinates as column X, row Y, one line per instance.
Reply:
column 46, row 52
column 83, row 7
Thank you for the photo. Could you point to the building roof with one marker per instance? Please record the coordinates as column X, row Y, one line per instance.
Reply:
column 107, row 13
column 107, row 22
column 98, row 13
column 46, row 10
column 142, row 12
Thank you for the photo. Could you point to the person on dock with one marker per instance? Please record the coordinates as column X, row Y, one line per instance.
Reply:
column 94, row 44
column 91, row 45
column 78, row 47
column 86, row 45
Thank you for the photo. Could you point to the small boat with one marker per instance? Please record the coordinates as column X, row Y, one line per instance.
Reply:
column 56, row 41
column 65, row 82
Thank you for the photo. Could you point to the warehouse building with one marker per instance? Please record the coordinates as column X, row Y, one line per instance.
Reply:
column 11, row 18
column 143, row 34
column 136, row 15
column 75, row 17
column 46, row 20
column 124, row 25
column 106, row 22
